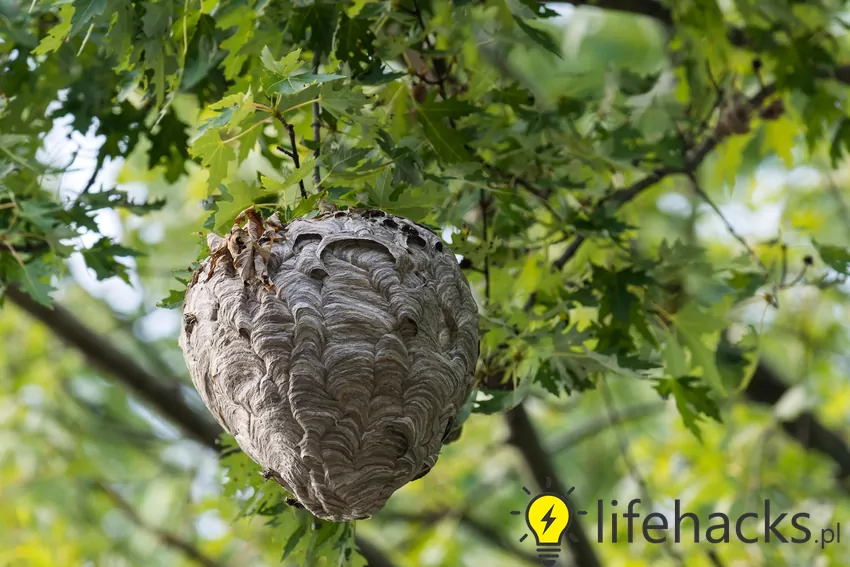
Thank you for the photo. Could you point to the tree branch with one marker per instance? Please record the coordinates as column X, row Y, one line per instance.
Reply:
column 524, row 437
column 166, row 399
column 166, row 538
column 692, row 161
column 597, row 426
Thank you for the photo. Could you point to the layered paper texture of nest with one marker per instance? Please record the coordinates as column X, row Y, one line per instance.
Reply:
column 338, row 351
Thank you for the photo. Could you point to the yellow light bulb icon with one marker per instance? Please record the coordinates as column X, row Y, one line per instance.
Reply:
column 548, row 516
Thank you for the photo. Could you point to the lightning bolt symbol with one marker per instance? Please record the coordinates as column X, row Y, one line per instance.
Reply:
column 548, row 518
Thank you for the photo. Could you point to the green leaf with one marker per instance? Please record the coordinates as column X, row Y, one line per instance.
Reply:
column 840, row 142
column 33, row 278
column 447, row 143
column 203, row 53
column 101, row 258
column 306, row 207
column 381, row 195
column 836, row 257
column 169, row 145
column 354, row 43
column 451, row 108
column 675, row 361
column 297, row 174
column 84, row 11
column 540, row 9
column 214, row 154
column 115, row 199
column 285, row 66
column 502, row 400
column 293, row 540
column 248, row 140
column 174, row 300
column 156, row 19
column 41, row 214
column 542, row 38
column 274, row 84
column 693, row 324
column 693, row 400
column 341, row 100
column 57, row 34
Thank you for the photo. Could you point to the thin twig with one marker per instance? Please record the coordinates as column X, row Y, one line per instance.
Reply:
column 704, row 196
column 317, row 127
column 482, row 202
column 569, row 252
column 294, row 153
column 283, row 150
column 101, row 157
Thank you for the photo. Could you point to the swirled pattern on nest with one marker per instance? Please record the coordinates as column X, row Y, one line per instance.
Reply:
column 337, row 350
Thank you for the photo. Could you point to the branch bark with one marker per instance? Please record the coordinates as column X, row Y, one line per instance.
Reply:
column 525, row 438
column 165, row 398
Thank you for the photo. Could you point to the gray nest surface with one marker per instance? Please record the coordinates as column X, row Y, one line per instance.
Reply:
column 338, row 351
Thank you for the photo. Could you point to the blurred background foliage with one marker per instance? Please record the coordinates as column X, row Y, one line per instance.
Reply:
column 682, row 166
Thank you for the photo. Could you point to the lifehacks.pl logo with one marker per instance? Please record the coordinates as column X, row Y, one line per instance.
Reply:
column 549, row 516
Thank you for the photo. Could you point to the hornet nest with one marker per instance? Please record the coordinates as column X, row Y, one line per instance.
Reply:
column 337, row 350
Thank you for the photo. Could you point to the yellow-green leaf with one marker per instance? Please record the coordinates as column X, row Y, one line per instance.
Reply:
column 214, row 154
column 57, row 34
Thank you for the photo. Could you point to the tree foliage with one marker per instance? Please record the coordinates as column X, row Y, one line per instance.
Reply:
column 648, row 200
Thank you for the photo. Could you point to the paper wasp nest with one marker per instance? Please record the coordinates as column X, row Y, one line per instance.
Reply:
column 336, row 350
